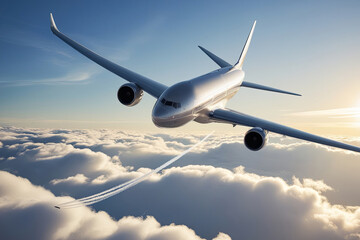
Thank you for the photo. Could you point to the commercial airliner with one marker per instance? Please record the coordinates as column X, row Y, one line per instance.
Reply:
column 201, row 99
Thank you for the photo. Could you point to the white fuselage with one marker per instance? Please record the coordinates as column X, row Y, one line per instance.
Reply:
column 196, row 98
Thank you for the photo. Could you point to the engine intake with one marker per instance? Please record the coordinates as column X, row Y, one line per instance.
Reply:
column 130, row 94
column 255, row 139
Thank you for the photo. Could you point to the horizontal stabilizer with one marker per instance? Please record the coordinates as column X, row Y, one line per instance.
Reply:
column 222, row 63
column 265, row 88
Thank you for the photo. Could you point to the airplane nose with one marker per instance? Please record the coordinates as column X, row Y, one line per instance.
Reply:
column 169, row 117
column 159, row 112
column 160, row 115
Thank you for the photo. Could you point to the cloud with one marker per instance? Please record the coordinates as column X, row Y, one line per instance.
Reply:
column 283, row 157
column 69, row 78
column 27, row 35
column 77, row 179
column 280, row 192
column 27, row 210
column 319, row 186
column 24, row 35
column 336, row 113
column 350, row 117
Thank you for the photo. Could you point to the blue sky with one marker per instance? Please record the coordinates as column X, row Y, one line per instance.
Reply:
column 307, row 47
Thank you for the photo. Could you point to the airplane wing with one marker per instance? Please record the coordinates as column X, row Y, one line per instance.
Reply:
column 152, row 87
column 233, row 117
column 262, row 87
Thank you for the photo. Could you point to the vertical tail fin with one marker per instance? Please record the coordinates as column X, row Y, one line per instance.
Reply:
column 240, row 62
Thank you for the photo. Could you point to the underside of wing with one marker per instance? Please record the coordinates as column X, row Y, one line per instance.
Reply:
column 266, row 88
column 152, row 87
column 233, row 117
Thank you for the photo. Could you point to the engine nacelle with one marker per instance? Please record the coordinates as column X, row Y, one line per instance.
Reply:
column 255, row 139
column 130, row 94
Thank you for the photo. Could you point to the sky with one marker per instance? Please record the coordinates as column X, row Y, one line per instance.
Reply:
column 306, row 47
column 64, row 135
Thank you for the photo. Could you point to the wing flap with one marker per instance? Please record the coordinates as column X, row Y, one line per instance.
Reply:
column 266, row 88
column 233, row 117
column 152, row 87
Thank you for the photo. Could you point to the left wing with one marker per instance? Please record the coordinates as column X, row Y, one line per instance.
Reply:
column 233, row 117
column 152, row 87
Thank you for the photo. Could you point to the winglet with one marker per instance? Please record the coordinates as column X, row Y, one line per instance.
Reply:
column 240, row 62
column 52, row 24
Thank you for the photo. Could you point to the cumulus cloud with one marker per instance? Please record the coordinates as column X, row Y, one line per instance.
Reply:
column 27, row 210
column 220, row 191
column 77, row 179
column 319, row 185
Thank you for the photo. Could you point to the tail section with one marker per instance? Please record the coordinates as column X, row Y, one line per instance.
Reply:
column 240, row 62
column 221, row 62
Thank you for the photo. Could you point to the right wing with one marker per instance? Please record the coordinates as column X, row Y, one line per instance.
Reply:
column 233, row 117
column 152, row 87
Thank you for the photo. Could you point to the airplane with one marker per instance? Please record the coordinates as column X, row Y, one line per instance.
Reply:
column 201, row 99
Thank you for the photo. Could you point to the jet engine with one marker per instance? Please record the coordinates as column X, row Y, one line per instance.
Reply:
column 255, row 138
column 130, row 94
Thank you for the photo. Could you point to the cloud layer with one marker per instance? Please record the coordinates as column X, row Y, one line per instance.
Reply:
column 219, row 191
column 27, row 210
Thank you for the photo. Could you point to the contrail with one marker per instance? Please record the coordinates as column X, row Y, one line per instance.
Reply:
column 122, row 187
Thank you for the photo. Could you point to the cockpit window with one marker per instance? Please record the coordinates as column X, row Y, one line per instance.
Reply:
column 170, row 103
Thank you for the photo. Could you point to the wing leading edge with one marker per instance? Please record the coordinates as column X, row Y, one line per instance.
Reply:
column 233, row 117
column 152, row 87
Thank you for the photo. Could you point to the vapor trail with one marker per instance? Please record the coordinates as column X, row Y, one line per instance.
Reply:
column 122, row 187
